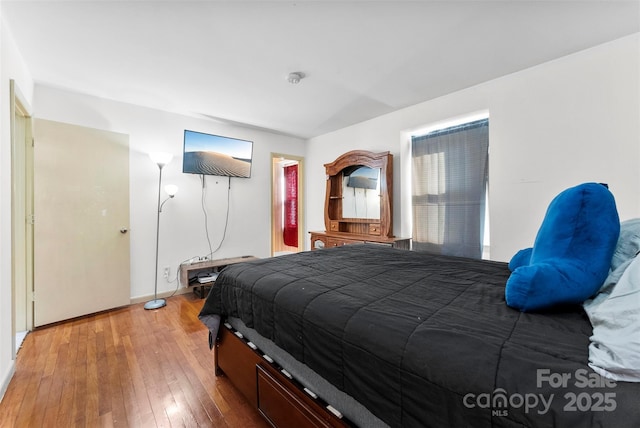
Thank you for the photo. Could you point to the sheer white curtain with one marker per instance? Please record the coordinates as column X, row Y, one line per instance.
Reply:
column 450, row 172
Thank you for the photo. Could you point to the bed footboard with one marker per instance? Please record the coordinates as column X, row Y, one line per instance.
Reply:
column 280, row 399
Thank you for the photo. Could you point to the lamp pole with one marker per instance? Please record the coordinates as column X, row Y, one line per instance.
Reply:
column 157, row 303
column 161, row 160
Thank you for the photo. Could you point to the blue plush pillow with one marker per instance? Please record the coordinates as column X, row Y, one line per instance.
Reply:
column 571, row 254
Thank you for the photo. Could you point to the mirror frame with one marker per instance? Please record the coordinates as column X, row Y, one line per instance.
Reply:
column 333, row 219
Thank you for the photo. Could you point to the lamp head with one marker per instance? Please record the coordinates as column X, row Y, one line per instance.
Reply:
column 161, row 158
column 171, row 190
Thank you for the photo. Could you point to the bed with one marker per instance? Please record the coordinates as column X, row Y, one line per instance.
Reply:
column 368, row 335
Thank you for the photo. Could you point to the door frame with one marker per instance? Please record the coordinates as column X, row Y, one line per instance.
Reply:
column 21, row 211
column 301, row 222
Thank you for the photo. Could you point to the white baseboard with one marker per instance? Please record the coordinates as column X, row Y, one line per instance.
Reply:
column 164, row 295
column 7, row 378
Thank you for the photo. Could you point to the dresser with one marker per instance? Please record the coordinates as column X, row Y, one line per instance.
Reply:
column 332, row 239
column 358, row 202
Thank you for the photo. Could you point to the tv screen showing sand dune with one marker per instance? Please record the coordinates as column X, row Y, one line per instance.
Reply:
column 216, row 155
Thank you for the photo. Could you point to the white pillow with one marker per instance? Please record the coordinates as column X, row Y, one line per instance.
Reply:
column 628, row 243
column 614, row 351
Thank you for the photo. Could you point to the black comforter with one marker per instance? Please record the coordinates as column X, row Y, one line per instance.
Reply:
column 424, row 340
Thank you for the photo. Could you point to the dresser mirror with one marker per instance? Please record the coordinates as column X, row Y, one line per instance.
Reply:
column 359, row 194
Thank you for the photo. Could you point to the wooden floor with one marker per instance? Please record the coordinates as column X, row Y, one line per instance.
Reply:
column 127, row 368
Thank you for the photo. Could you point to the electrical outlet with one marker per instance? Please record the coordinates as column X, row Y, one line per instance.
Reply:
column 167, row 271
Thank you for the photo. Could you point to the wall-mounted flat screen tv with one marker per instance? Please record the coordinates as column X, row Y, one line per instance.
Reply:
column 216, row 155
column 364, row 178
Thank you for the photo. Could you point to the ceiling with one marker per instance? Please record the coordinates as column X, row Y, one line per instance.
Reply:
column 229, row 60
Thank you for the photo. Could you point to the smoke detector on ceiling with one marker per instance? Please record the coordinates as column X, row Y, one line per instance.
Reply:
column 295, row 77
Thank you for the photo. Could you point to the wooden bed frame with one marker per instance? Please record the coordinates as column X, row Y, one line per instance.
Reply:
column 279, row 398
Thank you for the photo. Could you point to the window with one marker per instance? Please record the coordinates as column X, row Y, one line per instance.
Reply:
column 449, row 189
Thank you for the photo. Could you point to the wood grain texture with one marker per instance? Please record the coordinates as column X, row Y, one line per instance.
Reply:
column 124, row 368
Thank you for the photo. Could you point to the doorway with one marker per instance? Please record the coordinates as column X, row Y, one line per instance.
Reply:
column 287, row 230
column 21, row 217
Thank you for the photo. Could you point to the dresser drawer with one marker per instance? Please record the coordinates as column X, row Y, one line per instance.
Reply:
column 374, row 229
column 337, row 242
column 282, row 407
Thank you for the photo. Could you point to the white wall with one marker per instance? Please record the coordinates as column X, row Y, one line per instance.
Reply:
column 11, row 67
column 558, row 124
column 182, row 231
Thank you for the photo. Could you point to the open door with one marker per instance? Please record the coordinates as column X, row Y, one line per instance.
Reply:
column 287, row 231
column 81, row 205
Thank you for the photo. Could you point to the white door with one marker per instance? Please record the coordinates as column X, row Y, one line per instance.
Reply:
column 81, row 210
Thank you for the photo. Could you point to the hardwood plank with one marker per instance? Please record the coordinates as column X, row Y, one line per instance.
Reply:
column 40, row 404
column 130, row 403
column 170, row 371
column 80, row 376
column 118, row 411
column 90, row 399
column 144, row 351
column 145, row 412
column 196, row 378
column 189, row 386
column 104, row 387
column 62, row 408
column 57, row 382
column 127, row 367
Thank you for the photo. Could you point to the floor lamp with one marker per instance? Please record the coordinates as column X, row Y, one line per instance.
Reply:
column 161, row 159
